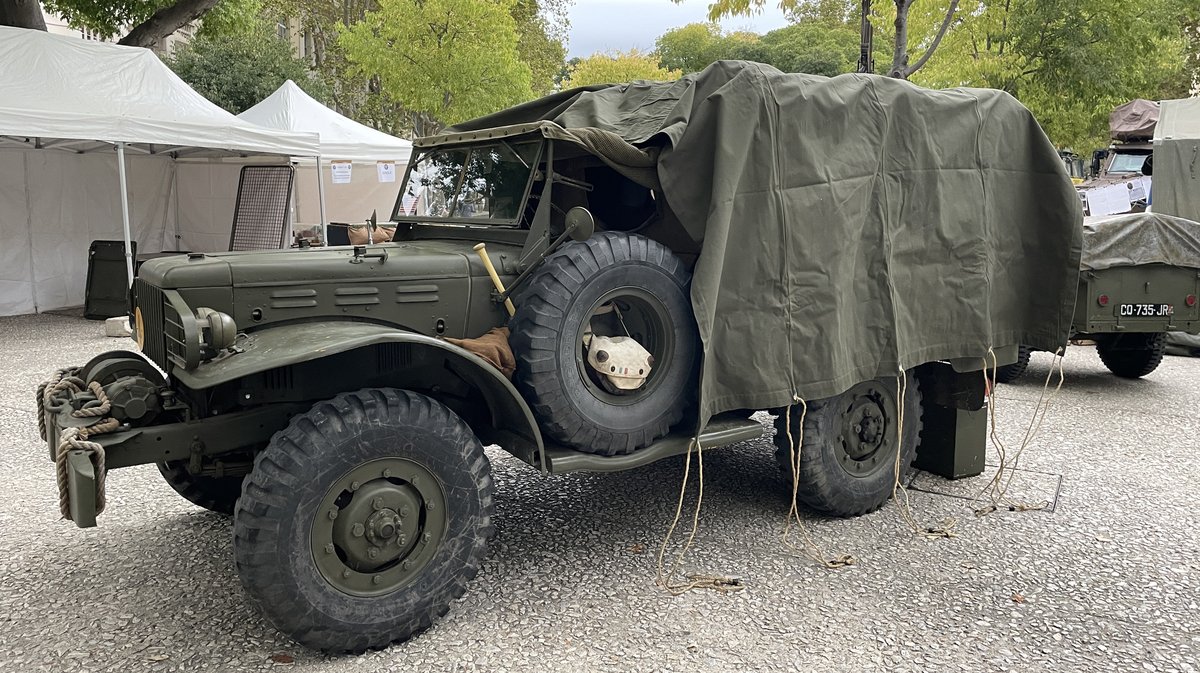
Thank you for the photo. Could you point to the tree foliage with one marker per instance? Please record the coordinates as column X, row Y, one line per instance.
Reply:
column 444, row 61
column 238, row 70
column 821, row 46
column 617, row 67
column 914, row 37
column 1070, row 61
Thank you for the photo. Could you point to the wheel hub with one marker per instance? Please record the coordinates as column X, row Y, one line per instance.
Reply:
column 864, row 440
column 378, row 525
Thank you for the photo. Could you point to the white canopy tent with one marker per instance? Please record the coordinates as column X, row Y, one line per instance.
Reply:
column 342, row 139
column 85, row 99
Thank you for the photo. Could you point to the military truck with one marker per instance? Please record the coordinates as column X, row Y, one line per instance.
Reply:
column 337, row 401
column 1139, row 279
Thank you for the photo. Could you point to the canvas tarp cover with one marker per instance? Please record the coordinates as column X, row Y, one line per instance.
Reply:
column 1135, row 119
column 1140, row 238
column 1176, row 168
column 850, row 226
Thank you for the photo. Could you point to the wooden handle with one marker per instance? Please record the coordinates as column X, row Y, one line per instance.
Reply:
column 487, row 264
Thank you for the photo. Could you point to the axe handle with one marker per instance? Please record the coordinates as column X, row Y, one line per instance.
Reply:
column 487, row 264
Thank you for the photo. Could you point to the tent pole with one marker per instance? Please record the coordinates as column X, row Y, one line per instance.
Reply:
column 321, row 198
column 125, row 213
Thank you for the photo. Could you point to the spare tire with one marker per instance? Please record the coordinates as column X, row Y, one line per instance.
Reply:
column 572, row 291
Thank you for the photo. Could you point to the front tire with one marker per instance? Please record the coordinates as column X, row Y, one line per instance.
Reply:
column 216, row 494
column 364, row 519
column 848, row 452
column 1131, row 356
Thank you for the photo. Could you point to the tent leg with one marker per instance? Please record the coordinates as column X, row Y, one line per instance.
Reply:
column 321, row 198
column 125, row 213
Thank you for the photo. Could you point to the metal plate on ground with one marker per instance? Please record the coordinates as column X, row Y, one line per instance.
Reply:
column 1025, row 487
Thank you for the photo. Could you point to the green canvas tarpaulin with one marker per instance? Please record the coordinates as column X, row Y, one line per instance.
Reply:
column 850, row 226
column 1176, row 189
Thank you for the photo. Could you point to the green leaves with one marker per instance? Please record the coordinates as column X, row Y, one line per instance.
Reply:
column 617, row 68
column 239, row 69
column 443, row 60
column 1070, row 61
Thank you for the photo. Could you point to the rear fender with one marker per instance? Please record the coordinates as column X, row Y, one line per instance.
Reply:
column 512, row 422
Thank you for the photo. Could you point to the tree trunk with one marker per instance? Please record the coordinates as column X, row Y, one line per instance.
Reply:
column 22, row 14
column 900, row 68
column 166, row 21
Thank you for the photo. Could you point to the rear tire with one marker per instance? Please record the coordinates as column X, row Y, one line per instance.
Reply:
column 1131, row 356
column 842, row 472
column 1010, row 373
column 216, row 494
column 560, row 300
column 364, row 519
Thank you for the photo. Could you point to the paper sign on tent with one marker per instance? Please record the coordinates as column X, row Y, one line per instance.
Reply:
column 341, row 171
column 386, row 171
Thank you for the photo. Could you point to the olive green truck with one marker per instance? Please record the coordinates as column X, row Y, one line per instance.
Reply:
column 635, row 269
column 1139, row 279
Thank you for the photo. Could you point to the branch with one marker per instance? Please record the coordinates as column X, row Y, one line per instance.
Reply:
column 936, row 41
column 166, row 21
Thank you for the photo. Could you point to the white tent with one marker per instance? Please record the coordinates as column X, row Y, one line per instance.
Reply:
column 349, row 197
column 86, row 99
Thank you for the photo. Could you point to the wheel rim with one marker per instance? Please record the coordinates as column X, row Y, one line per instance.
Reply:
column 646, row 319
column 866, row 441
column 378, row 526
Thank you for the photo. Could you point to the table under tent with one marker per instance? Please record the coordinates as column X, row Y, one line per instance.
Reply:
column 92, row 138
column 359, row 167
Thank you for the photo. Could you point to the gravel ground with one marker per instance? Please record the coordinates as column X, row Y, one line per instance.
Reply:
column 1107, row 581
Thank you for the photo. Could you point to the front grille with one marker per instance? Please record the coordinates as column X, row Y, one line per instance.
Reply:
column 150, row 304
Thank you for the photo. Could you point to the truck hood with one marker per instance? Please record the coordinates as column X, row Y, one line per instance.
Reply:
column 406, row 259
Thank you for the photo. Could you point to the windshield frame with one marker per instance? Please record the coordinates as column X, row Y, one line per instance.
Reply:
column 420, row 153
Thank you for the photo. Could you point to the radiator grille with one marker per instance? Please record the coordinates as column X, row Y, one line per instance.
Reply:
column 164, row 340
column 150, row 303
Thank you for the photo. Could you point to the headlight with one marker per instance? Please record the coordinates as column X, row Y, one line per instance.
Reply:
column 217, row 332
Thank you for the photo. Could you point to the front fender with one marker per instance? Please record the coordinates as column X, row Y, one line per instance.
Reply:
column 292, row 344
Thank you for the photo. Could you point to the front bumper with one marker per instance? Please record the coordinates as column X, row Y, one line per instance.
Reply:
column 80, row 472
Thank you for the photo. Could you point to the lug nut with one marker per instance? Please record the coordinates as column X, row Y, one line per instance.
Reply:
column 404, row 511
column 346, row 574
column 376, row 579
column 377, row 503
column 373, row 552
column 357, row 530
column 329, row 548
column 407, row 565
column 333, row 514
column 387, row 473
column 354, row 486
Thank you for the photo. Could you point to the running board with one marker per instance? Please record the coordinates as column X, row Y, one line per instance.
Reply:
column 720, row 432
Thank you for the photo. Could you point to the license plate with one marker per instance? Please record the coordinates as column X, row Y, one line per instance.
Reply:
column 1145, row 310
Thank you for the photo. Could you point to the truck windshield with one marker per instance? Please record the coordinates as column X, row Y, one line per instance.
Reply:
column 481, row 182
column 1127, row 163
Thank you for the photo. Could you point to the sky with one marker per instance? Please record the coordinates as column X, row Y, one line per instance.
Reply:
column 607, row 25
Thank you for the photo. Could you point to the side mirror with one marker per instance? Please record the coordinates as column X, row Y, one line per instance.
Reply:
column 580, row 223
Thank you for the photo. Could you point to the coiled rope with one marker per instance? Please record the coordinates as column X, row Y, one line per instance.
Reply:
column 54, row 394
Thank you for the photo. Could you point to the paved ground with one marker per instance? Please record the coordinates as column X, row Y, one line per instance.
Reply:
column 1110, row 579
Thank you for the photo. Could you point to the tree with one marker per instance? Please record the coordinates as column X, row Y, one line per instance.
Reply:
column 238, row 70
column 814, row 47
column 1070, row 61
column 818, row 45
column 444, row 61
column 147, row 21
column 618, row 67
column 918, row 40
column 692, row 47
column 542, row 28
